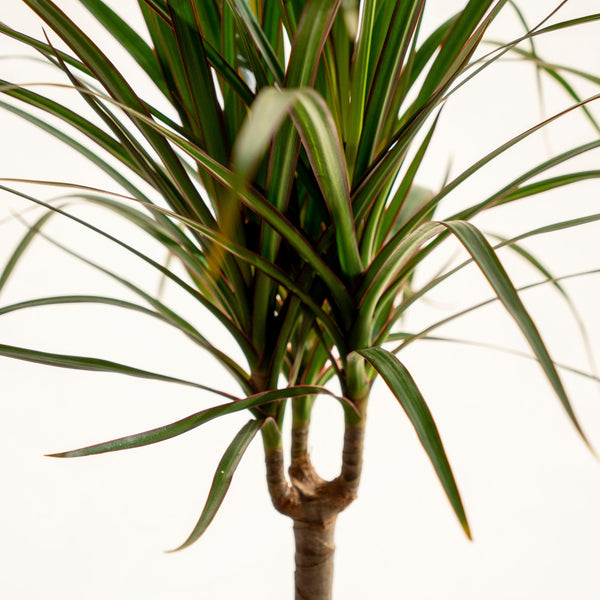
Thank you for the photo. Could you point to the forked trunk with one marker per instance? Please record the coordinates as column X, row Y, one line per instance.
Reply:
column 314, row 503
column 314, row 559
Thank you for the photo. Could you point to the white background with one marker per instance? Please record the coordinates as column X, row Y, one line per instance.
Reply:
column 96, row 528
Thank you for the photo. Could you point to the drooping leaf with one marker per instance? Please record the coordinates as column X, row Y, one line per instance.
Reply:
column 186, row 424
column 21, row 248
column 402, row 385
column 222, row 479
column 395, row 337
column 485, row 257
column 410, row 338
column 86, row 363
column 208, row 303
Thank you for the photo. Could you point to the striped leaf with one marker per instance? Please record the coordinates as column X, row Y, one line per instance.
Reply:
column 172, row 430
column 222, row 479
column 486, row 259
column 319, row 136
column 402, row 385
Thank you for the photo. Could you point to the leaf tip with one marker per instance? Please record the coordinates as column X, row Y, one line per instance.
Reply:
column 592, row 450
column 467, row 530
column 585, row 439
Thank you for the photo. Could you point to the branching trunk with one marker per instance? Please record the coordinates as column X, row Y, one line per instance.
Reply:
column 314, row 503
column 314, row 559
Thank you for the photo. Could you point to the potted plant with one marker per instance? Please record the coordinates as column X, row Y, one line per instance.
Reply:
column 276, row 165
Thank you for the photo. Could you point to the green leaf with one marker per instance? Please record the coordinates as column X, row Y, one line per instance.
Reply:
column 384, row 80
column 449, row 65
column 485, row 257
column 319, row 136
column 200, row 90
column 271, row 270
column 252, row 27
column 237, row 333
column 162, row 313
column 456, row 48
column 394, row 337
column 85, row 363
column 388, row 217
column 159, row 7
column 410, row 338
column 515, row 190
column 112, row 80
column 314, row 27
column 72, row 118
column 570, row 23
column 308, row 41
column 512, row 192
column 536, row 264
column 116, row 175
column 256, row 202
column 186, row 424
column 222, row 479
column 478, row 165
column 360, row 72
column 127, row 37
column 388, row 263
column 42, row 47
column 407, row 393
column 22, row 247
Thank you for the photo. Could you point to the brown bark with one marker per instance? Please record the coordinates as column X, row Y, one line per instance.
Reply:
column 352, row 456
column 314, row 559
column 300, row 440
column 314, row 504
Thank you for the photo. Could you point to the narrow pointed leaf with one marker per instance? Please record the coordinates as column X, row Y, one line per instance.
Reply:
column 455, row 45
column 200, row 89
column 477, row 344
column 162, row 313
column 319, row 136
column 86, row 363
column 128, row 38
column 186, row 424
column 42, row 47
column 386, row 76
column 410, row 338
column 116, row 175
column 208, row 303
column 359, row 80
column 114, row 82
column 485, row 257
column 222, row 479
column 22, row 248
column 274, row 217
column 308, row 41
column 250, row 25
column 402, row 385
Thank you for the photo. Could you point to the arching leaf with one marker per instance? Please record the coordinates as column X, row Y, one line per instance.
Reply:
column 402, row 385
column 222, row 479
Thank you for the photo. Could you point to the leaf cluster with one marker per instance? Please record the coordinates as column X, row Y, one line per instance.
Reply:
column 282, row 181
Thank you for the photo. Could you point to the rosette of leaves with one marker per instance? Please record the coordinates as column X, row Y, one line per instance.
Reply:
column 283, row 188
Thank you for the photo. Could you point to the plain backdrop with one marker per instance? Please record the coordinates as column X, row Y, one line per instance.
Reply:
column 96, row 528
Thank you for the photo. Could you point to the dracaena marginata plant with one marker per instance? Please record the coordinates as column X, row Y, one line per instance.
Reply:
column 281, row 182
